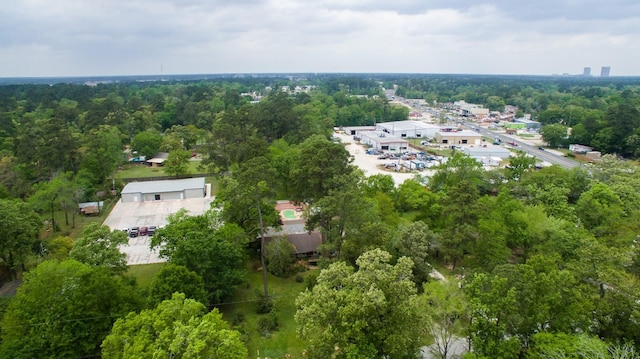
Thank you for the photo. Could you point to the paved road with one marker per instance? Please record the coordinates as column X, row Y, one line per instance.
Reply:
column 532, row 150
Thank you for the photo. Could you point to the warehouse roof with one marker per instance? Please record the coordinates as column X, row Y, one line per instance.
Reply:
column 463, row 133
column 407, row 125
column 164, row 186
column 382, row 137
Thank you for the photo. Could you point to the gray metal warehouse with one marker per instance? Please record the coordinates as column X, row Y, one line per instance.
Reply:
column 408, row 129
column 383, row 141
column 164, row 190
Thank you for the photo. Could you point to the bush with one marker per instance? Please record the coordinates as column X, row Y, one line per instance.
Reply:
column 281, row 257
column 300, row 267
column 268, row 323
column 237, row 318
column 324, row 262
column 263, row 304
column 299, row 278
column 311, row 281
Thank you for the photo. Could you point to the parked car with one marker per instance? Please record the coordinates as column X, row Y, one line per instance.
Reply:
column 152, row 230
column 134, row 232
column 144, row 231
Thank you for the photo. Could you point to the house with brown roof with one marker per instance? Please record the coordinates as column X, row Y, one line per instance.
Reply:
column 306, row 243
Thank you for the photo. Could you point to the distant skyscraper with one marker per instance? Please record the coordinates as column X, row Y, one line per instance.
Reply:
column 605, row 71
column 587, row 71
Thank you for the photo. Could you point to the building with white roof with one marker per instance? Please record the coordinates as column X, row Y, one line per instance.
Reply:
column 383, row 141
column 486, row 152
column 163, row 190
column 408, row 129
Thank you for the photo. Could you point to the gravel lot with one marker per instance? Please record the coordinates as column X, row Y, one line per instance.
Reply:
column 153, row 213
column 369, row 163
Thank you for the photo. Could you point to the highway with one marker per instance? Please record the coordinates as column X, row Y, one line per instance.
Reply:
column 532, row 150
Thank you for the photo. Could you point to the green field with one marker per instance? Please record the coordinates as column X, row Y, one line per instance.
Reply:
column 73, row 230
column 284, row 340
column 283, row 290
column 136, row 170
column 144, row 273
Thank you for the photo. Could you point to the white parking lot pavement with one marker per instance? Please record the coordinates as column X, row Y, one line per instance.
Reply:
column 152, row 213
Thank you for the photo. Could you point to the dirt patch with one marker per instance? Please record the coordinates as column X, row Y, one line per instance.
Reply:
column 10, row 288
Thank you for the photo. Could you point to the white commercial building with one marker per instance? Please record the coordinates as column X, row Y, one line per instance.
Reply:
column 383, row 141
column 164, row 190
column 408, row 129
column 486, row 152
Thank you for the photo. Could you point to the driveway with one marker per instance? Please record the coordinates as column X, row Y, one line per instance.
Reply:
column 151, row 213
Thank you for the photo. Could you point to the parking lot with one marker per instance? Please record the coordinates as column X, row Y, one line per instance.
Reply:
column 145, row 214
column 370, row 163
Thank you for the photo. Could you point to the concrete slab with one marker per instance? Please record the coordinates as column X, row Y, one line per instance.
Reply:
column 152, row 213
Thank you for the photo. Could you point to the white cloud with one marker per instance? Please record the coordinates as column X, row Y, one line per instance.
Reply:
column 102, row 37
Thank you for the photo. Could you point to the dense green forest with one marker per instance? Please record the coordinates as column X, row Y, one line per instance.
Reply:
column 538, row 263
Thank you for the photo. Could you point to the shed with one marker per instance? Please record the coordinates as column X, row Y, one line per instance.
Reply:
column 158, row 159
column 164, row 190
column 90, row 208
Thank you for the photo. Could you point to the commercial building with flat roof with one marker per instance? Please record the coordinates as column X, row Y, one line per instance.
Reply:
column 163, row 190
column 529, row 124
column 383, row 141
column 408, row 129
column 489, row 151
column 457, row 138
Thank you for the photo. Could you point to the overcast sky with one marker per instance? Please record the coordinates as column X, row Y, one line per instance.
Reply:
column 145, row 37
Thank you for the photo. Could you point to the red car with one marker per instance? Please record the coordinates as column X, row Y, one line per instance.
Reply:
column 144, row 231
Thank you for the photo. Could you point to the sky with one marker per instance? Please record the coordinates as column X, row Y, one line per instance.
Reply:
column 148, row 37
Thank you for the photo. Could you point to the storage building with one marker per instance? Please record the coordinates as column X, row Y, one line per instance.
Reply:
column 457, row 138
column 164, row 190
column 383, row 141
column 408, row 129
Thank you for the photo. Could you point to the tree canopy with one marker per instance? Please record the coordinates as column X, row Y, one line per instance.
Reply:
column 177, row 328
column 64, row 309
column 204, row 245
column 98, row 246
column 371, row 312
column 19, row 228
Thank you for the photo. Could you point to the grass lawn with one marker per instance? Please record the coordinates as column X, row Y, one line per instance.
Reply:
column 284, row 340
column 80, row 222
column 144, row 273
column 131, row 170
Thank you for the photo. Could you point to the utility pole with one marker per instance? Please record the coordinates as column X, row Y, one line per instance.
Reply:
column 264, row 268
